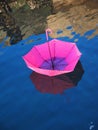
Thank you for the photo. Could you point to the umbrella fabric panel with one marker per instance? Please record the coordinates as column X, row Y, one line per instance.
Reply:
column 46, row 51
column 72, row 65
column 61, row 49
column 33, row 57
column 73, row 55
column 48, row 72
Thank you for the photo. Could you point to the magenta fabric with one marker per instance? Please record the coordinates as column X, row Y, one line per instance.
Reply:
column 54, row 49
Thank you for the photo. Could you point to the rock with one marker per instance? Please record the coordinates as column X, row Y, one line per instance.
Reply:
column 59, row 4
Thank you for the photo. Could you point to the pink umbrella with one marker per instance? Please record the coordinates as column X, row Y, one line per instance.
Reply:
column 53, row 58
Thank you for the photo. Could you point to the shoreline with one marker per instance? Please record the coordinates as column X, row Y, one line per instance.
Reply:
column 81, row 18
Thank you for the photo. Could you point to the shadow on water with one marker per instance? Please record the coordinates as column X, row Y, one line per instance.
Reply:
column 57, row 84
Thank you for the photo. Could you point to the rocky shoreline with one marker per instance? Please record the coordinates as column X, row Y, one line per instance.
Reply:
column 81, row 17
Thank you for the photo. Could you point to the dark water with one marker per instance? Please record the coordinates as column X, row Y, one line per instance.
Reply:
column 24, row 107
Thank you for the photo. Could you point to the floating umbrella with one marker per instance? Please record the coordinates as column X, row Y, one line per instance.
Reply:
column 53, row 58
column 57, row 84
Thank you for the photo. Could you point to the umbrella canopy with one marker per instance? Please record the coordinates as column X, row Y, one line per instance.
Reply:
column 53, row 58
column 57, row 84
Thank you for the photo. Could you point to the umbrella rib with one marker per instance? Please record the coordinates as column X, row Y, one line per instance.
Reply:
column 54, row 48
column 41, row 56
column 50, row 55
column 52, row 60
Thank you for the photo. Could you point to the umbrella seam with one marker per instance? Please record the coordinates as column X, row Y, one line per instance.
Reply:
column 41, row 55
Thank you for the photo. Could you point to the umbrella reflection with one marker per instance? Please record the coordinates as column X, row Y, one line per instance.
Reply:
column 57, row 84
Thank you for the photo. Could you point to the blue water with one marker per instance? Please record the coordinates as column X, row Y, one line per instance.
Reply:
column 23, row 107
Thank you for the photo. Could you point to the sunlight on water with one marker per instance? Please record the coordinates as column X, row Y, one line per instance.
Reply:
column 91, row 126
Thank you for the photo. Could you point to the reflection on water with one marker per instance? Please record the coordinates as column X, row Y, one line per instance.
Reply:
column 20, row 19
column 57, row 84
column 8, row 23
column 23, row 18
column 14, row 34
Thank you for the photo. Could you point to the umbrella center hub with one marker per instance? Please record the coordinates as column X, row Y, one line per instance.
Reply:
column 54, row 64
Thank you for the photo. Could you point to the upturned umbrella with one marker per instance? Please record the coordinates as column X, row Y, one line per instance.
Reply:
column 53, row 58
column 57, row 84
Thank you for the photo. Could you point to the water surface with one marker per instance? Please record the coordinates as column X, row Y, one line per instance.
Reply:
column 23, row 107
